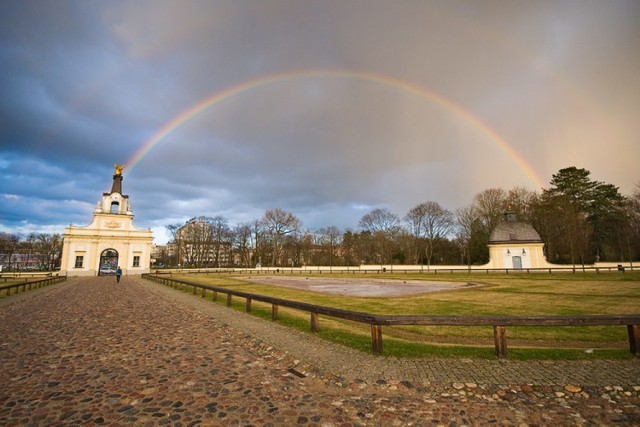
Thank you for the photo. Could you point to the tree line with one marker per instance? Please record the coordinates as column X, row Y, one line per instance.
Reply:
column 33, row 252
column 580, row 221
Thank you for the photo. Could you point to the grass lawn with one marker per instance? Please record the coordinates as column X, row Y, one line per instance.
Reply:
column 516, row 294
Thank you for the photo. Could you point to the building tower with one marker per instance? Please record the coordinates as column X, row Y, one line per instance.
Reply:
column 109, row 241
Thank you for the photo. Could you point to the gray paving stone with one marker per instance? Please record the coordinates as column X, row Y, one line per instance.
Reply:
column 93, row 351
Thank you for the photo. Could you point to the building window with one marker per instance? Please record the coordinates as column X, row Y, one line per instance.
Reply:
column 136, row 261
column 79, row 261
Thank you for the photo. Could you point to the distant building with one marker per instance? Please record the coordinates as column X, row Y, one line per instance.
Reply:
column 163, row 255
column 109, row 241
column 515, row 245
column 198, row 247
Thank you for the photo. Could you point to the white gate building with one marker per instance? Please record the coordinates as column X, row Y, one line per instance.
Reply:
column 110, row 241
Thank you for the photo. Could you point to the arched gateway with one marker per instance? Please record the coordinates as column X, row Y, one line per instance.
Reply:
column 109, row 241
column 108, row 262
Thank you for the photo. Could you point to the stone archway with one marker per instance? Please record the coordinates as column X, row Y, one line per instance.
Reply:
column 108, row 262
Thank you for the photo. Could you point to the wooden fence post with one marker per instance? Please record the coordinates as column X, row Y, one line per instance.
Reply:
column 376, row 339
column 500, row 338
column 633, row 331
column 247, row 305
column 314, row 322
column 228, row 300
column 274, row 311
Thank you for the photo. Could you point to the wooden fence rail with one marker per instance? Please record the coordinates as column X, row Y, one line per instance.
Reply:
column 435, row 270
column 34, row 284
column 376, row 321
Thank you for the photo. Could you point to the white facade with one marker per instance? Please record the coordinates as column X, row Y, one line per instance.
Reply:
column 110, row 240
column 515, row 245
column 517, row 255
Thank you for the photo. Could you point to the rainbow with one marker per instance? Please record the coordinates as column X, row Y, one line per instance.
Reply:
column 250, row 85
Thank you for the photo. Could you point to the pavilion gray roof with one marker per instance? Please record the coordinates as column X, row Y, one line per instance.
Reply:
column 511, row 230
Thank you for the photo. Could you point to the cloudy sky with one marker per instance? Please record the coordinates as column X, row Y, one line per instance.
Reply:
column 327, row 109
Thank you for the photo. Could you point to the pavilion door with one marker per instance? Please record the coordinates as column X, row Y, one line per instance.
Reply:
column 517, row 262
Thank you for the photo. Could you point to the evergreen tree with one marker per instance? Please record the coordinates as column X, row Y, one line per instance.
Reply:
column 591, row 214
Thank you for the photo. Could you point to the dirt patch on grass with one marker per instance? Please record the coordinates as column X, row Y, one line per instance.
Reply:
column 360, row 287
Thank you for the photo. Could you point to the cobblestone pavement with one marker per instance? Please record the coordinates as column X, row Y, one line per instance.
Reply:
column 92, row 351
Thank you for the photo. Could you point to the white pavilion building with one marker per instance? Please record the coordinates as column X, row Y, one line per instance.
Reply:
column 515, row 245
column 111, row 240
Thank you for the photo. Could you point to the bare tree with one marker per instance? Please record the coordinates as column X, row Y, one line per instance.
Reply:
column 308, row 245
column 350, row 248
column 330, row 238
column 383, row 225
column 519, row 201
column 8, row 248
column 279, row 223
column 489, row 206
column 242, row 234
column 175, row 239
column 429, row 224
column 465, row 219
column 220, row 238
column 259, row 241
column 380, row 219
column 195, row 242
column 41, row 251
column 49, row 249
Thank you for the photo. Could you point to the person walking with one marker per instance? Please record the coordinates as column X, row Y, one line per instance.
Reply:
column 118, row 273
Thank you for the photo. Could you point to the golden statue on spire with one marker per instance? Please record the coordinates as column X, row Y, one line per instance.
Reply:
column 118, row 168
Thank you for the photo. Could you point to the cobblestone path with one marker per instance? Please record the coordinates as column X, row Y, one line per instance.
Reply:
column 92, row 351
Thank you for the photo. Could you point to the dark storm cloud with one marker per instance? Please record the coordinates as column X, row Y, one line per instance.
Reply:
column 86, row 84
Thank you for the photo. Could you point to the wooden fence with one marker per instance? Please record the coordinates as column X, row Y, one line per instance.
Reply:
column 25, row 277
column 33, row 284
column 435, row 270
column 376, row 321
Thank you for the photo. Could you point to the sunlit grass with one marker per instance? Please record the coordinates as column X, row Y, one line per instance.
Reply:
column 522, row 294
